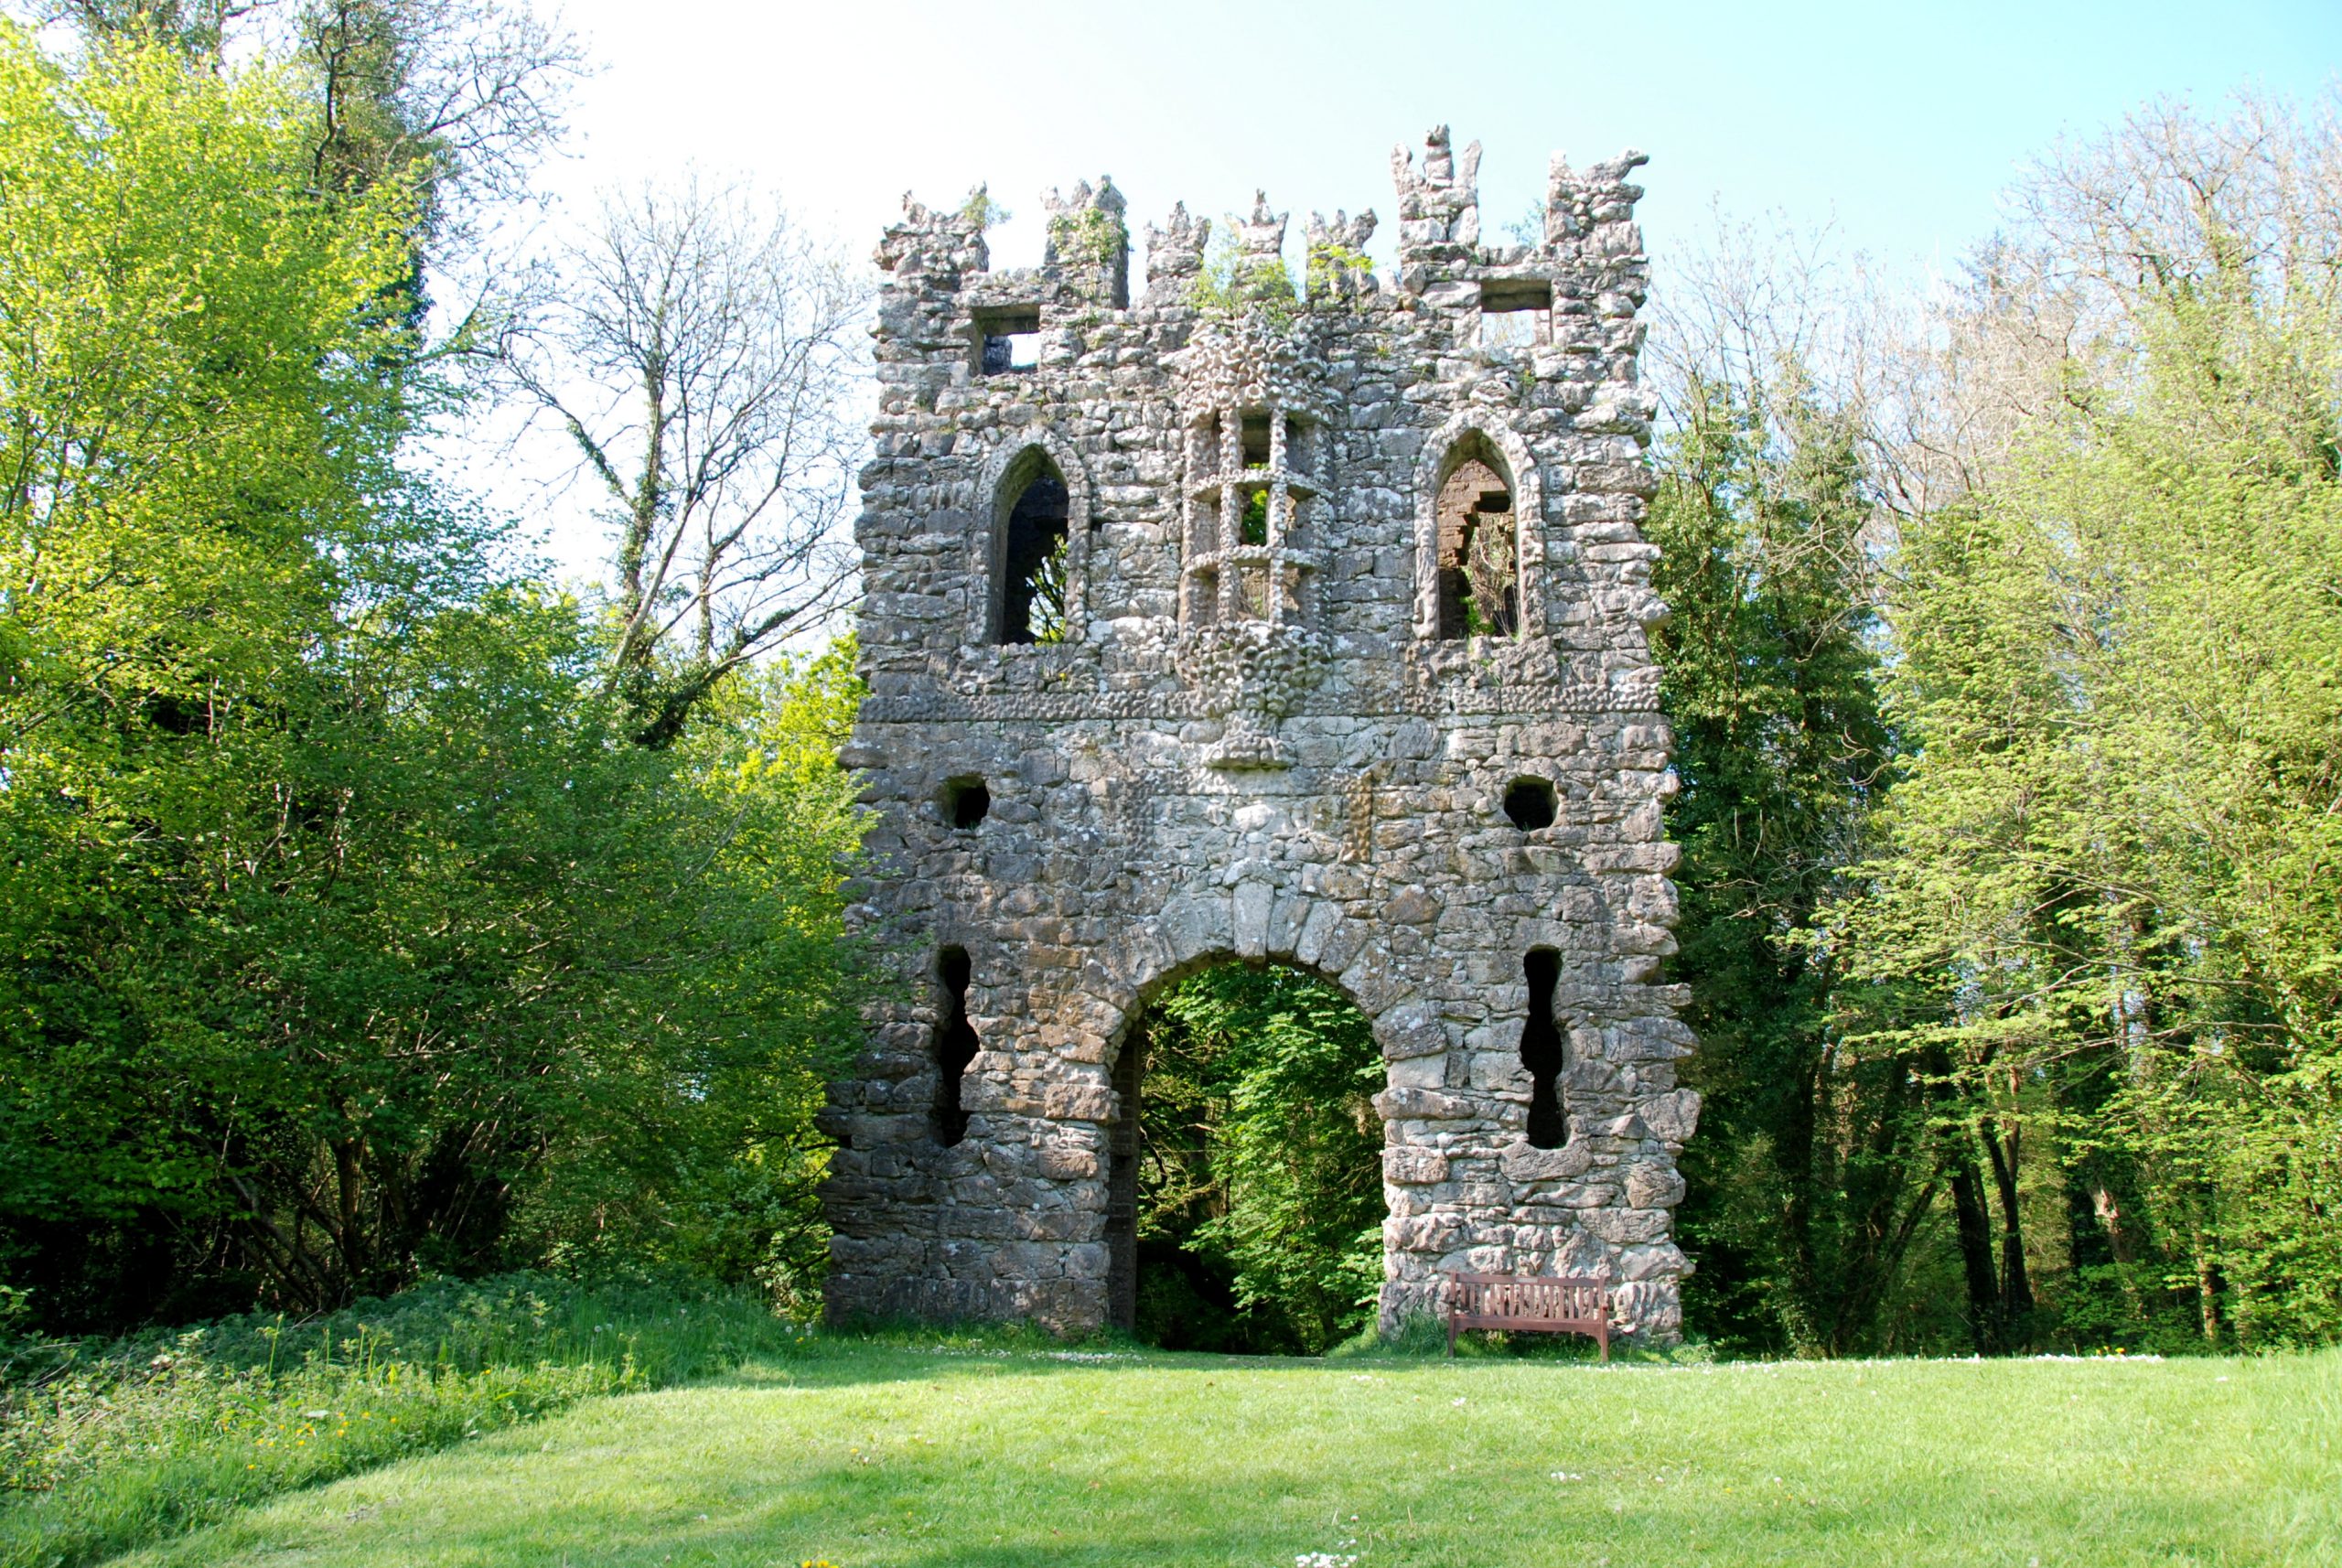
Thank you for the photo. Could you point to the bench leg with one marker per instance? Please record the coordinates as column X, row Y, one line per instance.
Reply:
column 1450, row 1335
column 1603, row 1336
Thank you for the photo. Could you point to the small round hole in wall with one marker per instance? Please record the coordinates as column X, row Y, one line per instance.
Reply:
column 966, row 802
column 1530, row 803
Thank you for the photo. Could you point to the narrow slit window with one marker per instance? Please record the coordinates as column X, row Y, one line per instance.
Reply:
column 1298, row 458
column 1541, row 1051
column 1203, row 599
column 1033, row 555
column 955, row 1045
column 1252, row 523
column 1207, row 450
column 1479, row 565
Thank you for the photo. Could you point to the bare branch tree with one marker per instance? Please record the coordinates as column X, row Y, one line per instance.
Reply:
column 198, row 28
column 466, row 95
column 474, row 92
column 700, row 351
column 2173, row 206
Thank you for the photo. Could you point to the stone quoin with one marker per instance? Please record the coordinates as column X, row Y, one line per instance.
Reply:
column 1218, row 625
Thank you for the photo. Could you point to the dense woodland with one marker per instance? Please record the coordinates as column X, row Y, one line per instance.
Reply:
column 377, row 906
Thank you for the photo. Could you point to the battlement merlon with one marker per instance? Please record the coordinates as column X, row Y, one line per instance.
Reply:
column 1088, row 249
column 933, row 249
column 1175, row 256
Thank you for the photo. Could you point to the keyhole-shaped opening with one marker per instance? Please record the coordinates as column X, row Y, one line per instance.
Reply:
column 1541, row 1051
column 955, row 1045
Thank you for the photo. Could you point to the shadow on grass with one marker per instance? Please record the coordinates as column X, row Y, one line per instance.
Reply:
column 893, row 1352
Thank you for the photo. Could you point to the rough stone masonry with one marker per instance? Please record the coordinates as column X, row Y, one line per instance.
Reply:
column 1222, row 624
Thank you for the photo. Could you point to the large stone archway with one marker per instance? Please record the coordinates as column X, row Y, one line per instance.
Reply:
column 1252, row 741
column 1125, row 1071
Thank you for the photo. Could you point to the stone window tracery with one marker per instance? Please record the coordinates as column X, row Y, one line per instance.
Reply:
column 1252, row 497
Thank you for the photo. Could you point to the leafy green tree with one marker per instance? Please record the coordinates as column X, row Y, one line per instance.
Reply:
column 2116, row 852
column 704, row 1156
column 1802, row 1194
column 344, row 922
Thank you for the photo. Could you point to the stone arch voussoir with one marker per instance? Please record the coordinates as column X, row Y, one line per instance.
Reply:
column 1193, row 936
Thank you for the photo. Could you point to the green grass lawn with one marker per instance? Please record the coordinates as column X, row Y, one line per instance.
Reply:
column 870, row 1455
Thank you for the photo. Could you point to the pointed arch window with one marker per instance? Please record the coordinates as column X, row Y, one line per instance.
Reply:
column 1478, row 543
column 1032, row 574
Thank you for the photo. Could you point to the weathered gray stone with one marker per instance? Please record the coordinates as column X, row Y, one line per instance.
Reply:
column 1523, row 1164
column 1653, row 1184
column 1263, row 732
column 1414, row 1167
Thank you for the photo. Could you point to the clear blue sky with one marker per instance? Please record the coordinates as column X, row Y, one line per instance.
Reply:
column 1900, row 122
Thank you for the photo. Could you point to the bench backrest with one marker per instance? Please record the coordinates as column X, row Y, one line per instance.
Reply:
column 1512, row 1296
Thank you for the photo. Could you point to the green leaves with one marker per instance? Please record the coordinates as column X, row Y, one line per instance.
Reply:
column 2117, row 851
column 349, row 934
column 1262, row 1170
column 1800, row 1175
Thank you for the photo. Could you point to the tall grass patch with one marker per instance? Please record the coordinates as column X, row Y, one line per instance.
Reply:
column 104, row 1446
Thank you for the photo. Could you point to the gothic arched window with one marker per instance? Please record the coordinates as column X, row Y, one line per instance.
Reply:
column 1031, row 572
column 1478, row 559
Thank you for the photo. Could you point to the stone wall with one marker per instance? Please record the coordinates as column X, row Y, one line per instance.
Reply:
column 1252, row 740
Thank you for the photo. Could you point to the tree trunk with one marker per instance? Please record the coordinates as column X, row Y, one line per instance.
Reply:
column 2016, row 1290
column 1796, row 1156
column 1975, row 1249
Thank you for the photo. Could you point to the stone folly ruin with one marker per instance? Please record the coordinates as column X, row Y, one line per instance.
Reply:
column 1218, row 625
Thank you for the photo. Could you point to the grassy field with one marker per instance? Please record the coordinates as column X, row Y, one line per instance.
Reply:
column 105, row 1447
column 865, row 1454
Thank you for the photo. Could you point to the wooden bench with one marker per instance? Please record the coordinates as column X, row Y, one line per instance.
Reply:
column 1548, row 1306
